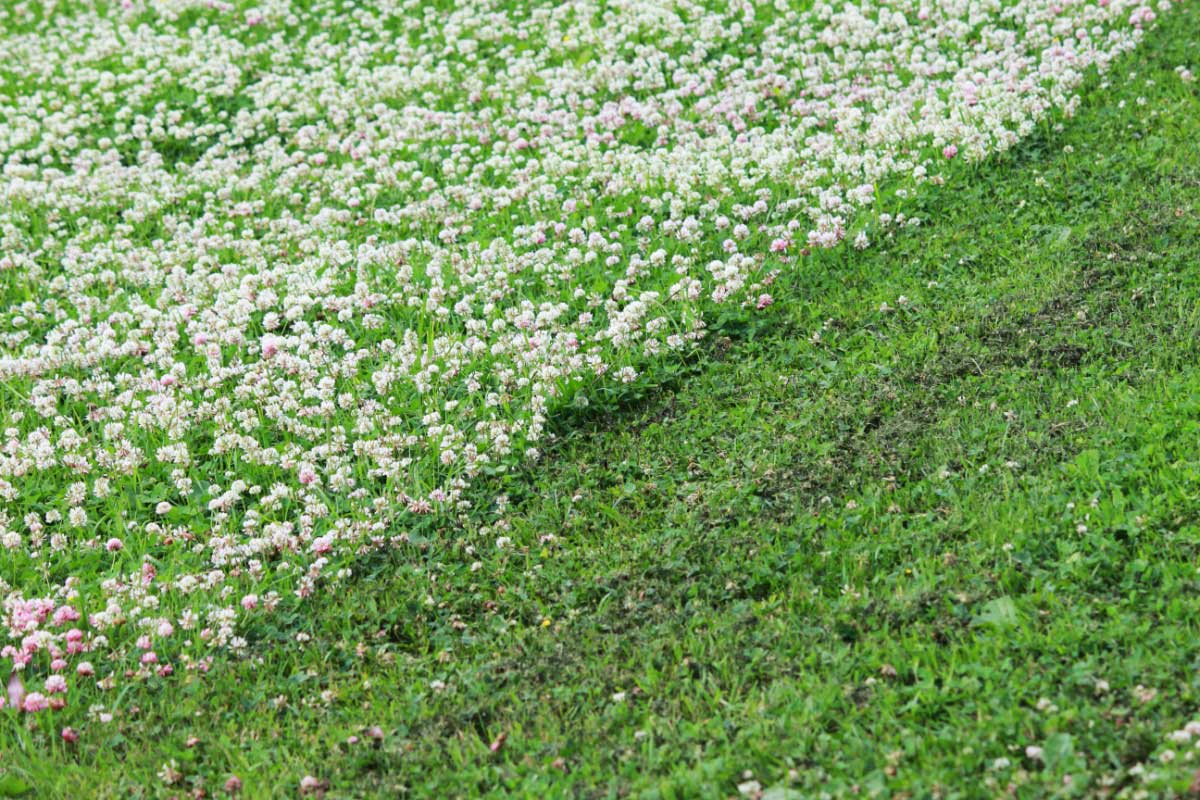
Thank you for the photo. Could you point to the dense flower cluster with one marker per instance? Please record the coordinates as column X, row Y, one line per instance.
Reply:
column 278, row 278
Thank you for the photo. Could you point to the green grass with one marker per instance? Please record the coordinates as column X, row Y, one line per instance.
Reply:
column 871, row 565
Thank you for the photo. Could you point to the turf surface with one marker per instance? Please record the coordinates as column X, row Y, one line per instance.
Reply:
column 940, row 505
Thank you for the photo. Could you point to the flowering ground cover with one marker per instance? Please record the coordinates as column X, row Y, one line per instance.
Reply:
column 295, row 295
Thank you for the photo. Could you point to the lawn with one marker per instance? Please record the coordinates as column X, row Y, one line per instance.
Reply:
column 925, row 525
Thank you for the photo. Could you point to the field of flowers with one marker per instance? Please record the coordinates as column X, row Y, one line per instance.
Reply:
column 283, row 284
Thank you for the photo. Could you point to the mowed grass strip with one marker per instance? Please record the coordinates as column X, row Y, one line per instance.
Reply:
column 962, row 522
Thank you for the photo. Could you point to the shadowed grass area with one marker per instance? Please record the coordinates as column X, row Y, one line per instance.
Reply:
column 857, row 549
